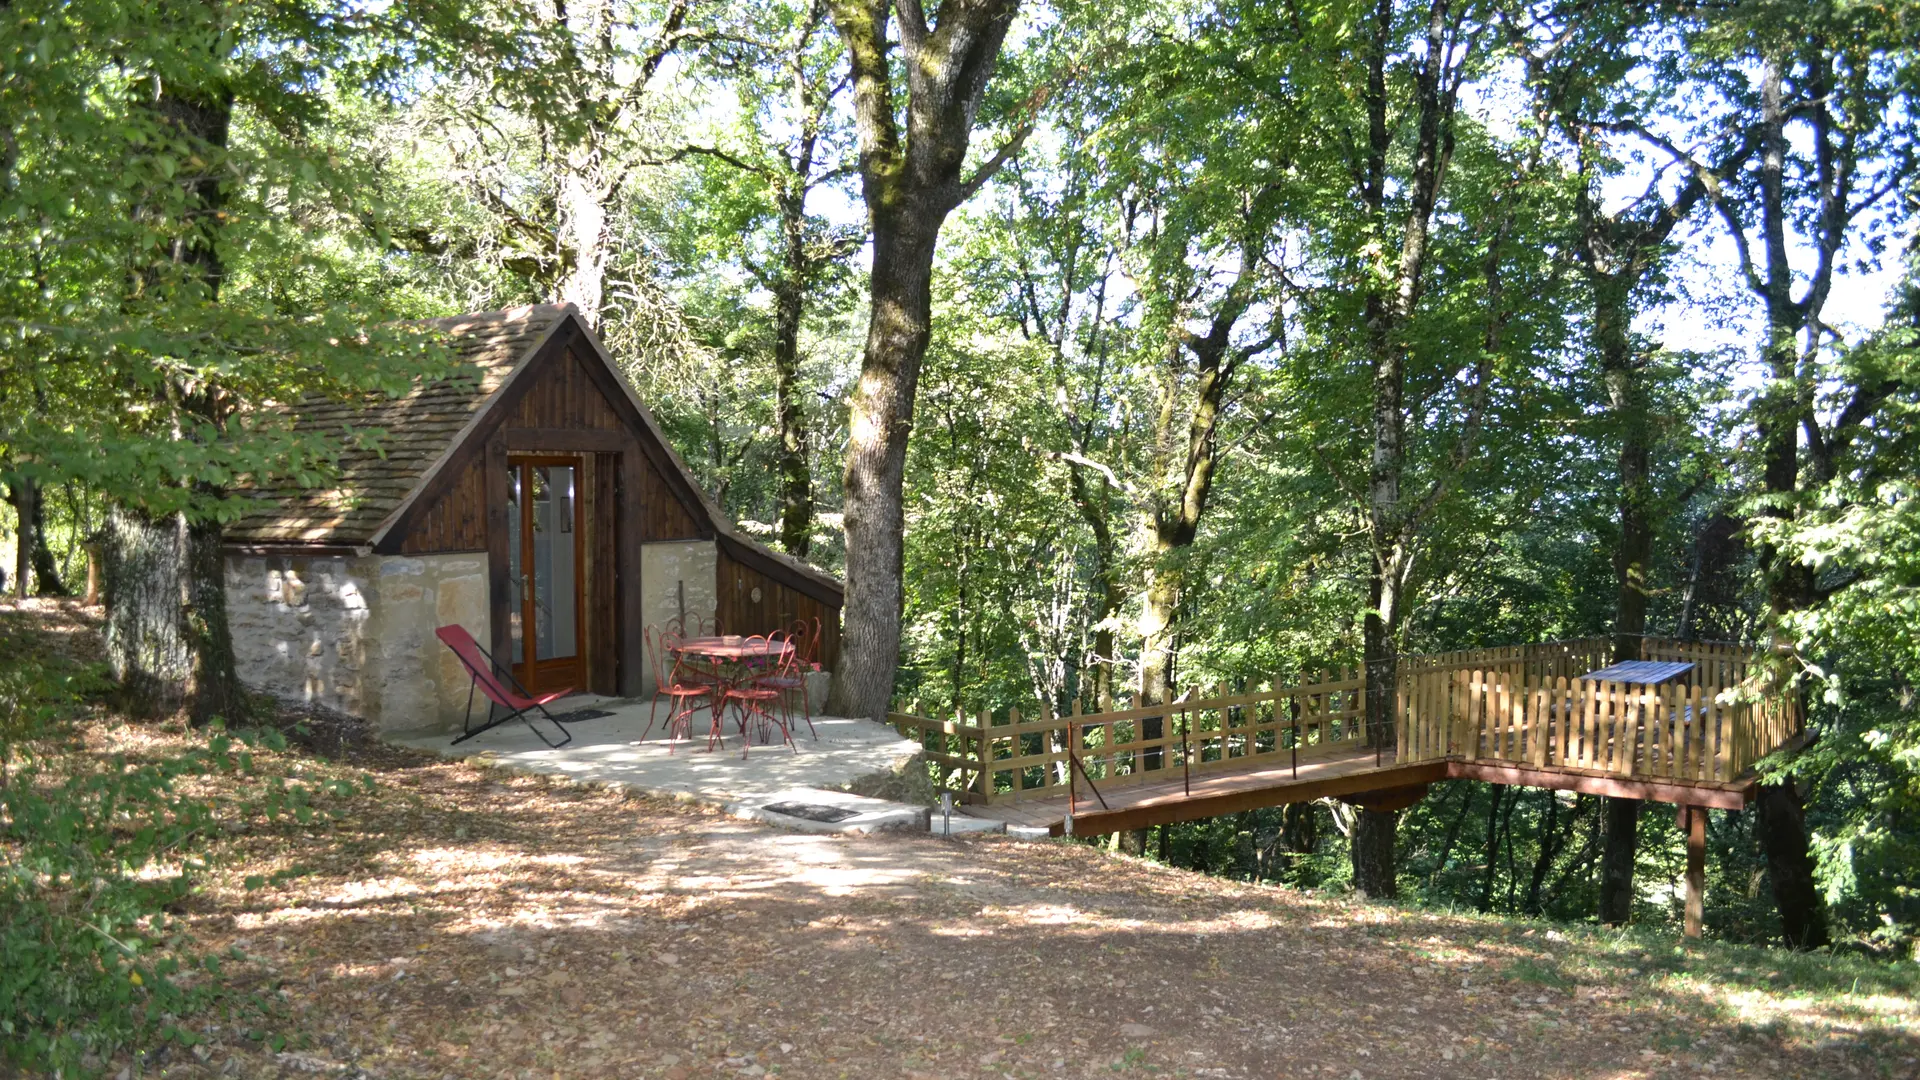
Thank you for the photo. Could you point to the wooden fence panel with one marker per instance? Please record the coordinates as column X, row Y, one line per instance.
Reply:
column 1525, row 705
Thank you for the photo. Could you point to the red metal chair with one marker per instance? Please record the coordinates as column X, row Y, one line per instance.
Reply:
column 790, row 678
column 674, row 684
column 754, row 698
column 501, row 689
column 693, row 625
column 806, row 639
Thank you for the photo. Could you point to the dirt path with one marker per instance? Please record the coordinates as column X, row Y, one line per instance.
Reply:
column 461, row 924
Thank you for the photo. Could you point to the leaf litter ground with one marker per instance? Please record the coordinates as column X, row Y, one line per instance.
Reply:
column 461, row 922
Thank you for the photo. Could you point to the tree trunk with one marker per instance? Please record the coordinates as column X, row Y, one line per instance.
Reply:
column 1790, row 583
column 796, row 479
column 910, row 181
column 584, row 250
column 1551, row 843
column 1491, row 855
column 1158, row 611
column 21, row 495
column 1783, row 834
column 46, row 574
column 1627, row 398
column 898, row 330
column 1299, row 829
column 1374, row 873
column 143, row 579
column 175, row 640
column 214, row 690
column 1616, row 861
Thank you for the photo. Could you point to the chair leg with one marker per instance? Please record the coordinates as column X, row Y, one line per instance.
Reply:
column 680, row 718
column 716, row 729
column 652, row 710
column 551, row 745
column 806, row 709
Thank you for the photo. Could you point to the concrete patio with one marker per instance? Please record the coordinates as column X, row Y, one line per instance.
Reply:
column 609, row 750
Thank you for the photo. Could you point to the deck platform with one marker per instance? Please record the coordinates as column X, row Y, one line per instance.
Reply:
column 1357, row 774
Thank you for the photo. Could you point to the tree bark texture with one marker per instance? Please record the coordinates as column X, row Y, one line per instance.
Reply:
column 1779, row 412
column 1185, row 463
column 142, row 587
column 35, row 573
column 1616, row 861
column 874, row 484
column 1627, row 399
column 1388, row 305
column 796, row 477
column 1783, row 835
column 910, row 182
column 1375, row 868
column 168, row 636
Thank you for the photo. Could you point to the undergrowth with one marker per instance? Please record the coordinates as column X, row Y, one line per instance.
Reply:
column 103, row 839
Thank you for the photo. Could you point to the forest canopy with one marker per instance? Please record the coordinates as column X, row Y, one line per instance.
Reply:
column 1106, row 349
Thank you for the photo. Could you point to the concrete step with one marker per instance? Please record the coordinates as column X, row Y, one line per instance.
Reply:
column 817, row 810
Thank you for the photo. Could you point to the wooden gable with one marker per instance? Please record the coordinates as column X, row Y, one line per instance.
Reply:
column 564, row 399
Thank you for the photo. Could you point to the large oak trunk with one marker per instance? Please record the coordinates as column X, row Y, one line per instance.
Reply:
column 909, row 184
column 174, row 640
column 143, row 569
column 878, row 427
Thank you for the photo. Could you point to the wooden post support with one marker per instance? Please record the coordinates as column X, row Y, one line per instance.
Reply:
column 1693, row 822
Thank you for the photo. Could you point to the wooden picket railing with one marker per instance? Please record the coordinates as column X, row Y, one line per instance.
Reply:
column 1523, row 705
column 1681, row 731
column 998, row 760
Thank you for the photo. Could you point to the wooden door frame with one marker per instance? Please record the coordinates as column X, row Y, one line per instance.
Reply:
column 526, row 666
column 628, row 517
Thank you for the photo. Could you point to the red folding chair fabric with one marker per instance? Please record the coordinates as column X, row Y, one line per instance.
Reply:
column 502, row 690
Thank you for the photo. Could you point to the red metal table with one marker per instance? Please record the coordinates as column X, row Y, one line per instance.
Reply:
column 737, row 660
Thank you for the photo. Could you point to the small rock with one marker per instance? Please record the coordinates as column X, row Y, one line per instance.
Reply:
column 667, row 958
column 1137, row 1031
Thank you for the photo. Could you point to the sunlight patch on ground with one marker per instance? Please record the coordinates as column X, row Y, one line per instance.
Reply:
column 360, row 892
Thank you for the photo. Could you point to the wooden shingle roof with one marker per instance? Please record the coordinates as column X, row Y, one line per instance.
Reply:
column 420, row 428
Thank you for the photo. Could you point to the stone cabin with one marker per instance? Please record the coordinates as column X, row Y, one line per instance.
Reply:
column 531, row 499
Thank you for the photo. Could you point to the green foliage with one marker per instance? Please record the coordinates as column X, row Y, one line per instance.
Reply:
column 97, row 853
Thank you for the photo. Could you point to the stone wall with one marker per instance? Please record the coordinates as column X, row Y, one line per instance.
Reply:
column 356, row 634
column 673, row 573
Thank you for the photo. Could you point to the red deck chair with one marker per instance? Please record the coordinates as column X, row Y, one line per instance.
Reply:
column 501, row 688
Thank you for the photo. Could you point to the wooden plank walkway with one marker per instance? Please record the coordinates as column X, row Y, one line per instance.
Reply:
column 1269, row 782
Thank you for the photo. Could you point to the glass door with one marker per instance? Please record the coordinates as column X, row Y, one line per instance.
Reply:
column 544, row 554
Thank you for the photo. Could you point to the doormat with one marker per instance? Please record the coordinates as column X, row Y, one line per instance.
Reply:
column 811, row 812
column 578, row 715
